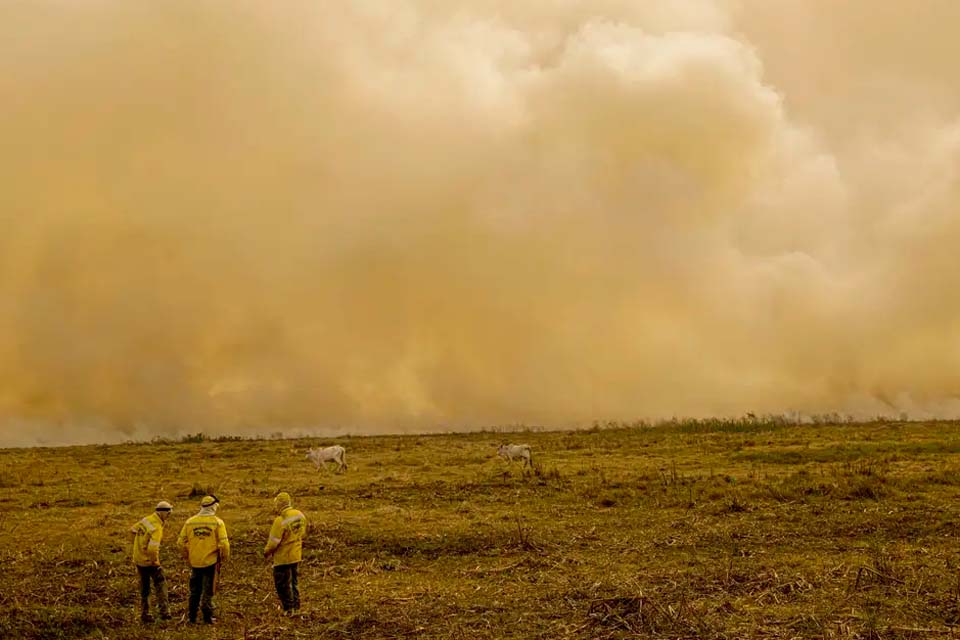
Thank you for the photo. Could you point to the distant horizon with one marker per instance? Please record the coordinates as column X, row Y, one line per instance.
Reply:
column 198, row 437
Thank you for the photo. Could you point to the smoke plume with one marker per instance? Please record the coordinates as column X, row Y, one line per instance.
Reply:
column 368, row 216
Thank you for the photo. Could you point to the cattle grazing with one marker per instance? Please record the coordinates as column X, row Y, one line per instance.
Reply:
column 336, row 453
column 511, row 452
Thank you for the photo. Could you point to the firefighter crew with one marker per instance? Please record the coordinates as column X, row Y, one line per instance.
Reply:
column 285, row 546
column 204, row 544
column 146, row 536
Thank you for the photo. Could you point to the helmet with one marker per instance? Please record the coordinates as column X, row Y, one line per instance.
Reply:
column 163, row 505
column 209, row 501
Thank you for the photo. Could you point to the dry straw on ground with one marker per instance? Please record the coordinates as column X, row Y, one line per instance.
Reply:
column 736, row 529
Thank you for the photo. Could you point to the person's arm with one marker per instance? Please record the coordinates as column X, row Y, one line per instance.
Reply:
column 132, row 534
column 276, row 537
column 223, row 544
column 182, row 543
column 153, row 546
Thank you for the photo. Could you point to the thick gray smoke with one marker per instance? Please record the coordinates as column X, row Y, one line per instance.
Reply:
column 418, row 214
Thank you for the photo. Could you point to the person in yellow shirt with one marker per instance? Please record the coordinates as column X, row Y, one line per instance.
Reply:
column 146, row 536
column 204, row 544
column 285, row 546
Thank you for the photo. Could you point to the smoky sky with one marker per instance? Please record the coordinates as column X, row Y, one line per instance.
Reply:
column 402, row 215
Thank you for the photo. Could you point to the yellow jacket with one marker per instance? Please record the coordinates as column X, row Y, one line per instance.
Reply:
column 286, row 537
column 148, row 533
column 203, row 539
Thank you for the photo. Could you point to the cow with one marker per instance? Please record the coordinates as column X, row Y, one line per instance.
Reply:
column 511, row 452
column 320, row 457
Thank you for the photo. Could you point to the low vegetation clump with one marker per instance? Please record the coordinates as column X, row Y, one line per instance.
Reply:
column 751, row 528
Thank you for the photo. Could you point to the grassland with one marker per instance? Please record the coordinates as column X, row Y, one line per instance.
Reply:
column 743, row 529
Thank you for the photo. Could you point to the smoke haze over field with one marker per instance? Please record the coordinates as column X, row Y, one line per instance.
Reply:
column 250, row 217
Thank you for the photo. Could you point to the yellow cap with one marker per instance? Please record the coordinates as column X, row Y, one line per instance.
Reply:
column 209, row 501
column 163, row 505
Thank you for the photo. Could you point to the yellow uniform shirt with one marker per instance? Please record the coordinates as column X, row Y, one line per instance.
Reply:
column 148, row 533
column 203, row 540
column 286, row 537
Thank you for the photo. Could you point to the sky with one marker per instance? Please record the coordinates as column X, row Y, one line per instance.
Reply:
column 420, row 215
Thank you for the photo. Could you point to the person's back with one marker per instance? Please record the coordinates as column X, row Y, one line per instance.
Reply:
column 147, row 534
column 204, row 537
column 285, row 546
column 288, row 530
column 203, row 541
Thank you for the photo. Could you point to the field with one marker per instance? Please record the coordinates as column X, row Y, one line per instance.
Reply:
column 714, row 529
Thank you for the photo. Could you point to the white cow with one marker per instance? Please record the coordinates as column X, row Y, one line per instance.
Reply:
column 336, row 453
column 511, row 452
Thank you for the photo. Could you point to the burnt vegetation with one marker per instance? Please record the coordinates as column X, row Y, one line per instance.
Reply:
column 749, row 528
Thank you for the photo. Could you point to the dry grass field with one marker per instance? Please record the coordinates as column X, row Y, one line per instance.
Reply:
column 736, row 529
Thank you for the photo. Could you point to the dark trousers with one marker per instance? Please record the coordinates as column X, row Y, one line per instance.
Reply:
column 154, row 575
column 285, row 579
column 201, row 592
